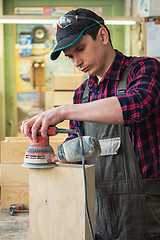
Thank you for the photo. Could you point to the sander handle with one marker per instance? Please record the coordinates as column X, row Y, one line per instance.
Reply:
column 69, row 131
column 52, row 131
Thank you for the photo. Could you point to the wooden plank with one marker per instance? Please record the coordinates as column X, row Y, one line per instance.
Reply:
column 58, row 137
column 17, row 139
column 67, row 81
column 14, row 195
column 64, row 124
column 0, row 176
column 13, row 152
column 62, row 97
column 57, row 205
column 14, row 175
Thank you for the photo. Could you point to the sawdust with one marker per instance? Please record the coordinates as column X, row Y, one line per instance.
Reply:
column 14, row 227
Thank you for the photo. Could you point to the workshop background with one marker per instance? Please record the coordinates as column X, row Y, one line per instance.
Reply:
column 31, row 83
column 27, row 72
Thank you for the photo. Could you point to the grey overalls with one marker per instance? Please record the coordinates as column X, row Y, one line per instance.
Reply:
column 126, row 206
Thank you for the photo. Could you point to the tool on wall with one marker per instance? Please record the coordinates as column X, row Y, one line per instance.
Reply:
column 38, row 77
column 39, row 34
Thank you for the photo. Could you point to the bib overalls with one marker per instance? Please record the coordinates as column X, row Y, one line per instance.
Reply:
column 127, row 207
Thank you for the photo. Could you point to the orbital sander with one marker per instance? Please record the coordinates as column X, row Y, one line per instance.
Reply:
column 40, row 154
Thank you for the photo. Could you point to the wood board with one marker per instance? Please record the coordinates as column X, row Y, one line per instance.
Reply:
column 14, row 195
column 57, row 205
column 67, row 81
column 62, row 97
column 13, row 152
column 14, row 175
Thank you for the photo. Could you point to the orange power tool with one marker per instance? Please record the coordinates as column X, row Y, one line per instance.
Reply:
column 39, row 154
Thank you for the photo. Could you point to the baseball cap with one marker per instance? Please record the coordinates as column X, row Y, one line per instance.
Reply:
column 71, row 27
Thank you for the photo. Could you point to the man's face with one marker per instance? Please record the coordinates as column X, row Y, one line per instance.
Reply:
column 88, row 55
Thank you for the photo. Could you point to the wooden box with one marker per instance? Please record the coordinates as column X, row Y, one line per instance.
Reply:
column 64, row 86
column 14, row 177
column 57, row 203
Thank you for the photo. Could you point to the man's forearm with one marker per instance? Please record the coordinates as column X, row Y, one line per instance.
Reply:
column 106, row 111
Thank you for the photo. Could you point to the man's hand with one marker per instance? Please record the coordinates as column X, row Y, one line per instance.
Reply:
column 43, row 120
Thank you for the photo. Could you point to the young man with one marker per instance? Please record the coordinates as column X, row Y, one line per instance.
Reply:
column 127, row 122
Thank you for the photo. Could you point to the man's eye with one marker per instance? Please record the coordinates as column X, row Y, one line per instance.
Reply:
column 80, row 49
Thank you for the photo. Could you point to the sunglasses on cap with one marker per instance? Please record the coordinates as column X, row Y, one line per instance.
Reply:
column 68, row 20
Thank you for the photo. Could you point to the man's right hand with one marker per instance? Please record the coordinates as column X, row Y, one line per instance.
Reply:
column 44, row 120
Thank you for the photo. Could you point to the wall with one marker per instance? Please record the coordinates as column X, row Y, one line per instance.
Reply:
column 110, row 8
column 2, row 82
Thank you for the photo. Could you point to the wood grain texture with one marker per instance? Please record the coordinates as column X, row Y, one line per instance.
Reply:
column 67, row 81
column 13, row 152
column 57, row 206
column 14, row 175
column 14, row 195
column 62, row 97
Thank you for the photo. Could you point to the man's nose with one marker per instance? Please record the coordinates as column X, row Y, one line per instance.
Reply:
column 77, row 61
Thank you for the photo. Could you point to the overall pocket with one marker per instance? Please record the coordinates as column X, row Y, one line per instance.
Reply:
column 129, row 217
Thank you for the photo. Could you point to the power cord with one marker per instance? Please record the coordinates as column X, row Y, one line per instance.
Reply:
column 76, row 132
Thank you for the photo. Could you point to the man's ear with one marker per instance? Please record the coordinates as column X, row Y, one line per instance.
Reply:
column 103, row 35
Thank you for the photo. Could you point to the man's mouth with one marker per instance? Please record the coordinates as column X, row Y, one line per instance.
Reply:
column 85, row 69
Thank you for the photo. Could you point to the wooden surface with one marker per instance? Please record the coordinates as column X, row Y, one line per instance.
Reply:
column 13, row 152
column 14, row 175
column 64, row 124
column 64, row 86
column 57, row 206
column 15, row 178
column 62, row 97
column 67, row 81
column 14, row 195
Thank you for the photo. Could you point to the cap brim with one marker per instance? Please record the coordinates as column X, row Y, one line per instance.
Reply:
column 63, row 44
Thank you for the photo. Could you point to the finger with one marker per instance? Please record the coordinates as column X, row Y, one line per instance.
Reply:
column 35, row 128
column 44, row 130
column 26, row 125
column 22, row 128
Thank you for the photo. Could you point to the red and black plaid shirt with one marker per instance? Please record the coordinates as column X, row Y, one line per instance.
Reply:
column 140, row 106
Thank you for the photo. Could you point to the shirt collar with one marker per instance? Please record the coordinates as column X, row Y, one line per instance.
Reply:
column 113, row 72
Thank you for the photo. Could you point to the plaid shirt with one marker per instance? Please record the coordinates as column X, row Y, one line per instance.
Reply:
column 140, row 106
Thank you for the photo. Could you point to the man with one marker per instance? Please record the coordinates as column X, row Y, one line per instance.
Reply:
column 127, row 174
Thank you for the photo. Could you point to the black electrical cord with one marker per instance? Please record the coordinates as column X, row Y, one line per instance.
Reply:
column 76, row 132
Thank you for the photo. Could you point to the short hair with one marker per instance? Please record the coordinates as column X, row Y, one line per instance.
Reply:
column 93, row 31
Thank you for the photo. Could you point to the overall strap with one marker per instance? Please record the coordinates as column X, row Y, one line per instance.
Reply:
column 122, row 82
column 85, row 94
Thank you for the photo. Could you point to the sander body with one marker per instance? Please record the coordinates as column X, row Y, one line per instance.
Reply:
column 40, row 154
